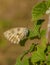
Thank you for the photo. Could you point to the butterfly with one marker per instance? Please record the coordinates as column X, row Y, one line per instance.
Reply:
column 15, row 35
column 48, row 11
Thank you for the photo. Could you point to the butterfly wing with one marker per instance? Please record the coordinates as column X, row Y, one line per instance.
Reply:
column 15, row 35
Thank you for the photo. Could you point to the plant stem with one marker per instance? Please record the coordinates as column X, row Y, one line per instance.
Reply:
column 48, row 28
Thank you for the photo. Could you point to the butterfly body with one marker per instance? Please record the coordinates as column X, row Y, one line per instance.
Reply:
column 15, row 35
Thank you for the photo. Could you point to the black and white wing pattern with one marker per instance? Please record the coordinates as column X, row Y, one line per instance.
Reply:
column 15, row 35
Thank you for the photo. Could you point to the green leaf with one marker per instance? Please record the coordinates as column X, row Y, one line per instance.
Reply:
column 48, row 48
column 48, row 63
column 31, row 34
column 43, row 39
column 48, row 3
column 36, row 30
column 25, row 61
column 39, row 48
column 39, row 10
column 48, row 58
column 22, row 42
column 41, row 54
column 32, row 48
column 18, row 61
column 43, row 33
column 24, row 53
column 37, row 56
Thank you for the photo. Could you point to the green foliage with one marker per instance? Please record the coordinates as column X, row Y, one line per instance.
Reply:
column 35, row 57
column 49, row 48
column 48, row 59
column 48, row 3
column 36, row 30
column 37, row 51
column 25, row 61
column 48, row 63
column 18, row 62
column 41, row 51
column 32, row 47
column 43, row 39
column 22, row 42
column 39, row 10
column 38, row 56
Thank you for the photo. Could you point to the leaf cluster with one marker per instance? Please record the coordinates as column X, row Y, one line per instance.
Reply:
column 40, row 53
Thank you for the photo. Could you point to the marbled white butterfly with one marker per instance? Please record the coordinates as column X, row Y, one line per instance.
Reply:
column 15, row 35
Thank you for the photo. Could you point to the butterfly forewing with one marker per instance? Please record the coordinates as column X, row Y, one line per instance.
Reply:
column 15, row 35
